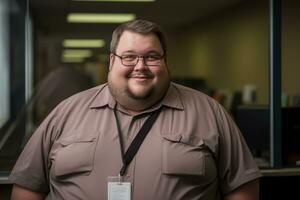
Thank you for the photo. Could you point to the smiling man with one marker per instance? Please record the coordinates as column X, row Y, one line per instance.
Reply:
column 139, row 136
column 138, row 76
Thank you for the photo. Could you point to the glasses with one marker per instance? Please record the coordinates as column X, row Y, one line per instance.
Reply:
column 131, row 60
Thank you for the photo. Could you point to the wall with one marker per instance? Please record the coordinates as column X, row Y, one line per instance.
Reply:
column 229, row 49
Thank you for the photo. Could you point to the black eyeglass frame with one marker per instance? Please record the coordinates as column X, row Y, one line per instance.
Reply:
column 160, row 57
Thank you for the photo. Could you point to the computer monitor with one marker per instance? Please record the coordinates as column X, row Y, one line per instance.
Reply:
column 291, row 136
column 254, row 124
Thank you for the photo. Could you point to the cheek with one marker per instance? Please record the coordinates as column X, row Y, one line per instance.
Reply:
column 120, row 71
column 160, row 72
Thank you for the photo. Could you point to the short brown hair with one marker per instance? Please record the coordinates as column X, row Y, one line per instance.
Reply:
column 138, row 26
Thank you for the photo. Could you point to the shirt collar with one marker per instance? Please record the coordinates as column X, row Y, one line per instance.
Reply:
column 103, row 98
column 171, row 99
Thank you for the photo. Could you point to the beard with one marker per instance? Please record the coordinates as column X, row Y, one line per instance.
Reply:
column 142, row 96
column 132, row 91
column 128, row 92
column 138, row 95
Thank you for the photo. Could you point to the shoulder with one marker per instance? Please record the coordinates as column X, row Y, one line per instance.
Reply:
column 85, row 97
column 195, row 98
column 78, row 102
column 201, row 106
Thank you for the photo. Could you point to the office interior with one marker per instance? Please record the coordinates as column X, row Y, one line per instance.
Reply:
column 234, row 51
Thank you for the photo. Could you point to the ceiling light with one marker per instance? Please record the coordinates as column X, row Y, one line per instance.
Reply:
column 83, row 43
column 77, row 53
column 118, row 0
column 99, row 18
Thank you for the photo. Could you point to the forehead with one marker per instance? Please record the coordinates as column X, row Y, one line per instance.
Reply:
column 136, row 42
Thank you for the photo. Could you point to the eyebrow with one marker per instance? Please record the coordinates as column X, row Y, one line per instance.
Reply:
column 146, row 53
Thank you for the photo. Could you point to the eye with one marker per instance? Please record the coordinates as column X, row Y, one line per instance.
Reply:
column 152, row 57
column 129, row 57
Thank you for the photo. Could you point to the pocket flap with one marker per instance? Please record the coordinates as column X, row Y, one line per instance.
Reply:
column 185, row 139
column 75, row 139
column 193, row 141
column 172, row 137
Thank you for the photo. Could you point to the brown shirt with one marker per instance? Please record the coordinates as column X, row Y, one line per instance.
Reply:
column 193, row 151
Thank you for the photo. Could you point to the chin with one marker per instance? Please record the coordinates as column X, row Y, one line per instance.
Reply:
column 140, row 88
column 140, row 94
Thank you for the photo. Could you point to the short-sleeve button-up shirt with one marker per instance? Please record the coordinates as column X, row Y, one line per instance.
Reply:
column 193, row 151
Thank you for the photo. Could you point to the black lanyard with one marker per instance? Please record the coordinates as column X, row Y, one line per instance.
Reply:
column 137, row 141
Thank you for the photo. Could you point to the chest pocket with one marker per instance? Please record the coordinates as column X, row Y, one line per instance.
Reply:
column 76, row 155
column 184, row 156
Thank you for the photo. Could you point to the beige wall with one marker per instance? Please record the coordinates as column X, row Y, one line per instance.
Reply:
column 229, row 50
column 232, row 49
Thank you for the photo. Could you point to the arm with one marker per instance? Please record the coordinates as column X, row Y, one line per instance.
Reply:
column 21, row 193
column 248, row 191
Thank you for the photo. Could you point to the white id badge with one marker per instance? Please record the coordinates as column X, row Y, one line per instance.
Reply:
column 118, row 188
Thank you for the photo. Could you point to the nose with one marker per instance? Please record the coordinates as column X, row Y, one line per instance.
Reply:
column 140, row 65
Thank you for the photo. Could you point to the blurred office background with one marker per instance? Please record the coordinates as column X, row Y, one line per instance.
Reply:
column 50, row 50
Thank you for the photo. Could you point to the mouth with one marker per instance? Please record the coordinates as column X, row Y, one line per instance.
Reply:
column 141, row 77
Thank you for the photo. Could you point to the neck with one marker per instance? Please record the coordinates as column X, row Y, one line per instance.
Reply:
column 134, row 106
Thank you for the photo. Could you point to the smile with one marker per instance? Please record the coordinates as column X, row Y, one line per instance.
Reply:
column 140, row 78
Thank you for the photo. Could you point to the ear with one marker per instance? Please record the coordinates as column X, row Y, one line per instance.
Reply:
column 111, row 60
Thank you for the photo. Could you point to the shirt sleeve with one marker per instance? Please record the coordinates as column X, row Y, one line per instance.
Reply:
column 31, row 170
column 236, row 164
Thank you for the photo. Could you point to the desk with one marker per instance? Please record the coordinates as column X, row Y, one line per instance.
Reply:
column 4, row 180
column 281, row 172
column 278, row 183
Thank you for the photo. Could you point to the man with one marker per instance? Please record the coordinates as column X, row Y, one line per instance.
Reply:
column 193, row 150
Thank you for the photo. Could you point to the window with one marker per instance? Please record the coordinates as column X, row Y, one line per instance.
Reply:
column 4, row 62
